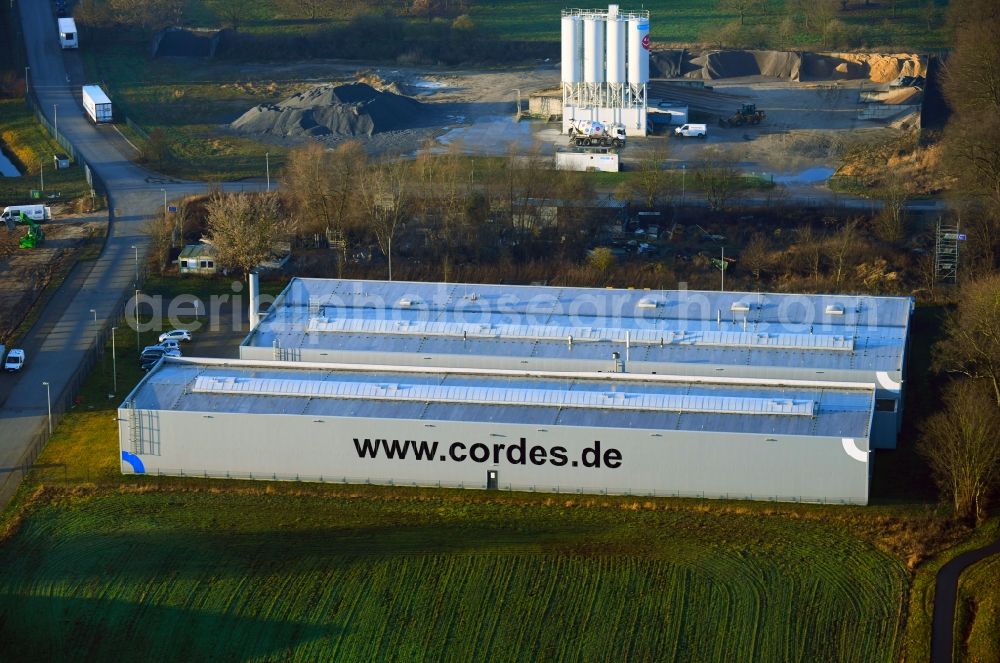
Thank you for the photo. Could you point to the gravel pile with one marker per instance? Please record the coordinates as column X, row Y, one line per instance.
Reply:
column 734, row 64
column 354, row 109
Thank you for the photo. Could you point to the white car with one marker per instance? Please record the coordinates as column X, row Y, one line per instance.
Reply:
column 15, row 360
column 175, row 335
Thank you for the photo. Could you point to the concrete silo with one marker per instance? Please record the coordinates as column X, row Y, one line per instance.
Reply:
column 572, row 45
column 604, row 74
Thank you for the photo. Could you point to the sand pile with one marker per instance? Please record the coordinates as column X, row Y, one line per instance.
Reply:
column 902, row 95
column 354, row 109
column 382, row 85
column 713, row 65
column 884, row 68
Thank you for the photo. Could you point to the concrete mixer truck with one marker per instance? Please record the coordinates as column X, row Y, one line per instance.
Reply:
column 593, row 133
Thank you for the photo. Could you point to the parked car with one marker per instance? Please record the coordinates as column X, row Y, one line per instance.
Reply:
column 14, row 361
column 153, row 354
column 169, row 344
column 176, row 335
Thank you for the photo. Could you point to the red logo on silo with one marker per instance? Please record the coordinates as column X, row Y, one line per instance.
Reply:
column 645, row 42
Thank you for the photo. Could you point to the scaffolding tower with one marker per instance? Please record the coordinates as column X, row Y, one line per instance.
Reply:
column 946, row 252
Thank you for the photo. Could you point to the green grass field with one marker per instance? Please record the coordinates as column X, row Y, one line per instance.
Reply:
column 672, row 22
column 199, row 575
column 191, row 110
column 32, row 146
column 688, row 21
column 98, row 566
column 977, row 619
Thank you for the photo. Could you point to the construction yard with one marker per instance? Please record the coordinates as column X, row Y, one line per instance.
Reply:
column 814, row 108
column 810, row 118
column 25, row 274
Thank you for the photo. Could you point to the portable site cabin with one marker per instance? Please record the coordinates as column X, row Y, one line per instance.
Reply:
column 197, row 259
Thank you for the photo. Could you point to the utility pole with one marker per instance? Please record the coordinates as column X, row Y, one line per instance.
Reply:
column 722, row 271
column 114, row 361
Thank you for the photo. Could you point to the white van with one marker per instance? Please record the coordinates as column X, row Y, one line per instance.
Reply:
column 14, row 361
column 67, row 33
column 696, row 130
column 33, row 212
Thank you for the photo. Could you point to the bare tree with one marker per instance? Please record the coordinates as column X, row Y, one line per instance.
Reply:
column 720, row 182
column 385, row 198
column 742, row 7
column 841, row 246
column 322, row 187
column 756, row 255
column 651, row 182
column 891, row 219
column 972, row 334
column 244, row 228
column 160, row 232
column 960, row 445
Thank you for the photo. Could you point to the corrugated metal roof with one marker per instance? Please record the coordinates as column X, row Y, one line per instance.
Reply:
column 489, row 395
column 647, row 402
column 750, row 329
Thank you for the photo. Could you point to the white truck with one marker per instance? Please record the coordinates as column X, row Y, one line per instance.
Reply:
column 68, row 37
column 592, row 133
column 692, row 130
column 12, row 214
column 97, row 104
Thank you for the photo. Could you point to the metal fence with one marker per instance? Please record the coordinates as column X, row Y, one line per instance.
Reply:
column 92, row 177
column 65, row 399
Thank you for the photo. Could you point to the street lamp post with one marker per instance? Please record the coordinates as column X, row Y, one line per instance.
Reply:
column 136, row 265
column 267, row 168
column 164, row 203
column 114, row 361
column 55, row 117
column 41, row 175
column 48, row 402
column 138, row 345
column 27, row 84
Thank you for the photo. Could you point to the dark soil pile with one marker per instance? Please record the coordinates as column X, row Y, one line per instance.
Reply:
column 354, row 109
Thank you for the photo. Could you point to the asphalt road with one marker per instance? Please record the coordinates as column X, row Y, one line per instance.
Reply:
column 58, row 343
column 945, row 595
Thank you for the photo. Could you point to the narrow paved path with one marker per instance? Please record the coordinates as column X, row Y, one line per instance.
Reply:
column 945, row 596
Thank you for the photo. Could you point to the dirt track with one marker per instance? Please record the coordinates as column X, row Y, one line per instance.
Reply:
column 24, row 273
column 808, row 124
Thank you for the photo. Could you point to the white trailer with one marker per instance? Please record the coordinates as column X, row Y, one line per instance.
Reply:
column 97, row 104
column 587, row 161
column 68, row 37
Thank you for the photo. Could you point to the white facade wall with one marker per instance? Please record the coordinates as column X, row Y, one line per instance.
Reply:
column 650, row 462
